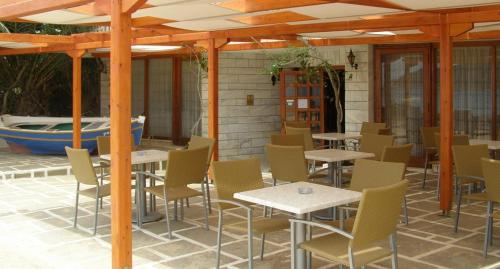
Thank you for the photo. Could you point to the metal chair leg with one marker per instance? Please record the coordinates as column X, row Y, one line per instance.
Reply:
column 182, row 209
column 426, row 164
column 405, row 209
column 488, row 226
column 394, row 248
column 491, row 223
column 219, row 238
column 96, row 209
column 459, row 202
column 76, row 203
column 167, row 218
column 262, row 242
column 351, row 258
column 205, row 208
column 175, row 210
column 250, row 239
column 292, row 245
column 187, row 202
column 208, row 194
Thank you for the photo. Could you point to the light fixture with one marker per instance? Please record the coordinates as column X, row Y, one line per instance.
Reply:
column 153, row 48
column 351, row 58
column 381, row 33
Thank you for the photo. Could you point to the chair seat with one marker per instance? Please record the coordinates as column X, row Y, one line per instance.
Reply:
column 104, row 190
column 334, row 247
column 465, row 181
column 262, row 225
column 476, row 196
column 173, row 193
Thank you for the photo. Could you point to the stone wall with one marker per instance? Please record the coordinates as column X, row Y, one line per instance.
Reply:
column 244, row 130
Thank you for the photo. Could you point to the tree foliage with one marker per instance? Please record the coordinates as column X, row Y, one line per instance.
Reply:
column 40, row 84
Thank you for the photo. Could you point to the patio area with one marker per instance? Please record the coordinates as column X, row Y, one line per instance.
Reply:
column 37, row 232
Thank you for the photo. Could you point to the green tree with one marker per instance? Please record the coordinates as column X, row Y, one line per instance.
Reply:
column 40, row 84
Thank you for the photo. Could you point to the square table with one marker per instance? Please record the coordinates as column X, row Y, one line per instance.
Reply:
column 141, row 158
column 334, row 138
column 334, row 158
column 287, row 198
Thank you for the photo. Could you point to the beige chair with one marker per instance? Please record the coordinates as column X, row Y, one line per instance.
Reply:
column 200, row 142
column 83, row 170
column 306, row 132
column 491, row 173
column 375, row 221
column 288, row 163
column 372, row 127
column 457, row 140
column 373, row 174
column 468, row 171
column 287, row 140
column 238, row 176
column 430, row 148
column 399, row 154
column 184, row 167
column 374, row 143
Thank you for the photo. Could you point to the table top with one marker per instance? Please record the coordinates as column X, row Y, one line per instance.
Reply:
column 336, row 155
column 143, row 156
column 492, row 144
column 287, row 198
column 336, row 136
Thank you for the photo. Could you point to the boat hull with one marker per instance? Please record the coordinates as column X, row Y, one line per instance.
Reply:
column 53, row 142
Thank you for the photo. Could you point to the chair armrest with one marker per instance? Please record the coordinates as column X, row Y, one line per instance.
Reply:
column 149, row 175
column 470, row 177
column 324, row 226
column 223, row 201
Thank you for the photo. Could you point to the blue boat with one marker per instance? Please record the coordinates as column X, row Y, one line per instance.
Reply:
column 49, row 135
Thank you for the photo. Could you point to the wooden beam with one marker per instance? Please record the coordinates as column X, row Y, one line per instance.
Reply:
column 76, row 56
column 176, row 100
column 35, row 38
column 30, row 7
column 120, row 110
column 457, row 29
column 129, row 6
column 374, row 3
column 217, row 43
column 446, row 114
column 146, row 97
column 213, row 95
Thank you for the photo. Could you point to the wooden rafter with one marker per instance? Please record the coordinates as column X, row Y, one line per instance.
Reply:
column 34, row 38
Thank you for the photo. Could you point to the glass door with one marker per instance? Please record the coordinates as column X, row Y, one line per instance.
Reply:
column 301, row 100
column 402, row 98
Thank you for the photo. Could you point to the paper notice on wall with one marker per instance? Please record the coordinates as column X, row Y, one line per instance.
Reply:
column 302, row 103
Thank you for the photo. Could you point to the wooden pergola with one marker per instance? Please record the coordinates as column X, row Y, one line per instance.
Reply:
column 261, row 19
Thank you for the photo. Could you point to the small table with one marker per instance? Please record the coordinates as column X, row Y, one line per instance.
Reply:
column 334, row 138
column 334, row 158
column 141, row 158
column 287, row 198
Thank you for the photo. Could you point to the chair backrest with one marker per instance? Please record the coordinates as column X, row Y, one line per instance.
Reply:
column 306, row 132
column 374, row 143
column 491, row 172
column 186, row 167
column 288, row 140
column 457, row 140
column 287, row 163
column 104, row 145
column 374, row 174
column 467, row 159
column 200, row 142
column 378, row 214
column 372, row 127
column 296, row 124
column 236, row 176
column 385, row 131
column 397, row 154
column 81, row 166
column 428, row 139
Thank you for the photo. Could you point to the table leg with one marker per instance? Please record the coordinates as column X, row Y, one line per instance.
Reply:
column 152, row 198
column 300, row 236
column 142, row 215
column 332, row 176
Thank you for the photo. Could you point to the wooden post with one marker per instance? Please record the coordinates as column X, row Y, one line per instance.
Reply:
column 213, row 95
column 146, row 97
column 176, row 99
column 120, row 104
column 446, row 114
column 76, row 56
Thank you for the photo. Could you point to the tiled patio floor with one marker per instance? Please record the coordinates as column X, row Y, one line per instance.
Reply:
column 36, row 232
